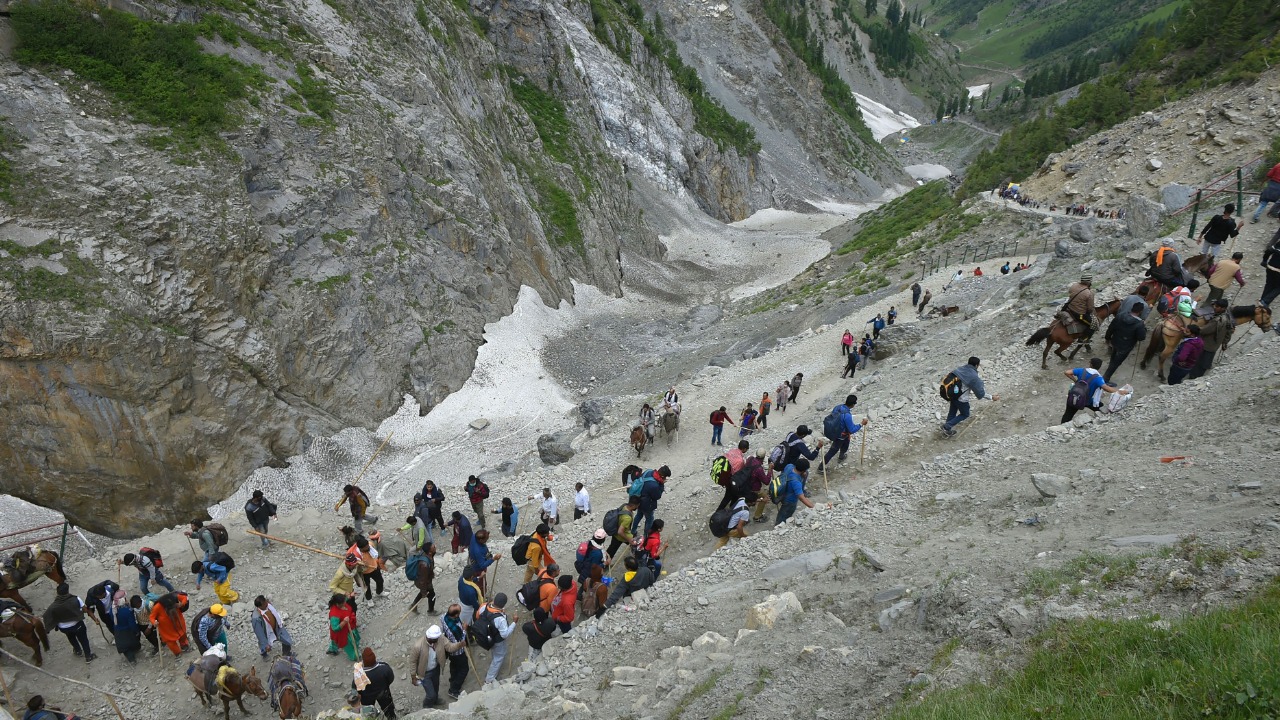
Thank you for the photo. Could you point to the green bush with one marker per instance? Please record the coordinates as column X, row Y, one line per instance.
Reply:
column 8, row 178
column 1221, row 664
column 880, row 230
column 158, row 70
column 549, row 117
column 1167, row 61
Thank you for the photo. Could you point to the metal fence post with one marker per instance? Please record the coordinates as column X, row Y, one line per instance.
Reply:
column 1239, row 191
column 1195, row 211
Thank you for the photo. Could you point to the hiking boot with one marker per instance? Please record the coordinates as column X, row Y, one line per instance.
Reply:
column 762, row 519
column 91, row 658
column 77, row 652
column 453, row 695
column 947, row 431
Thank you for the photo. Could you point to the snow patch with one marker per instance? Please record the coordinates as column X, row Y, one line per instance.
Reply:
column 927, row 171
column 978, row 90
column 882, row 119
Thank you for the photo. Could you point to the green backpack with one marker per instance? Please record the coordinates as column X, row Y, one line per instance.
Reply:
column 721, row 471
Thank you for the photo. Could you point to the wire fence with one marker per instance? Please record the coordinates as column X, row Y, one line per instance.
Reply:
column 978, row 252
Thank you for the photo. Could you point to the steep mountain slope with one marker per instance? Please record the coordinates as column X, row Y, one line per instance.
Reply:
column 194, row 288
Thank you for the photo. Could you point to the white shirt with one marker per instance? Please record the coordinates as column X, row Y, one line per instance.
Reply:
column 582, row 500
column 742, row 513
column 549, row 507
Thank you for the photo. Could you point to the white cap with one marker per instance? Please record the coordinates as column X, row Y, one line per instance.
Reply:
column 433, row 632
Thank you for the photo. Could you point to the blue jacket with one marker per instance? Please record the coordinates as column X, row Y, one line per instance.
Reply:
column 436, row 496
column 650, row 493
column 594, row 556
column 968, row 375
column 478, row 555
column 464, row 529
column 467, row 595
column 793, row 485
column 845, row 416
column 213, row 571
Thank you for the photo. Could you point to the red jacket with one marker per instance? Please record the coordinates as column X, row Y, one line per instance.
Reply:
column 1274, row 173
column 719, row 417
column 563, row 607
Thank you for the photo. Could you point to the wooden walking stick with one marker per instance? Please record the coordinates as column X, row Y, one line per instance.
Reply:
column 371, row 458
column 193, row 548
column 516, row 623
column 8, row 699
column 863, row 455
column 405, row 616
column 295, row 544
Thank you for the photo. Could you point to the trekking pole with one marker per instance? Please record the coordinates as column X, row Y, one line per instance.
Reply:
column 404, row 617
column 295, row 544
column 193, row 549
column 371, row 458
column 105, row 639
column 516, row 622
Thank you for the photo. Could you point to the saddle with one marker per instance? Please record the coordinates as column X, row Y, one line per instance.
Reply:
column 286, row 672
column 207, row 673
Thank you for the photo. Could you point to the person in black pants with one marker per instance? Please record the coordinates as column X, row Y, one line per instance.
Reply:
column 1126, row 332
column 434, row 498
column 66, row 613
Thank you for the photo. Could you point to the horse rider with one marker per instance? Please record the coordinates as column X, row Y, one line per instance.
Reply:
column 646, row 421
column 1166, row 266
column 1080, row 303
column 671, row 401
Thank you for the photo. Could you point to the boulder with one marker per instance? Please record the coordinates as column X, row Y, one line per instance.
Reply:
column 774, row 609
column 556, row 449
column 1083, row 231
column 1154, row 164
column 1054, row 611
column 891, row 614
column 1175, row 196
column 1145, row 217
column 479, row 423
column 1070, row 169
column 1050, row 485
column 1064, row 248
column 806, row 564
column 592, row 411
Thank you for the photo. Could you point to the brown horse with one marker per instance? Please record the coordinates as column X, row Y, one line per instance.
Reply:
column 1056, row 333
column 1173, row 329
column 234, row 687
column 29, row 630
column 1151, row 289
column 287, row 686
column 27, row 566
column 639, row 439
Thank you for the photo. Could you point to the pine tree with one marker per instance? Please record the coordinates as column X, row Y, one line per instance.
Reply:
column 871, row 8
column 894, row 13
column 942, row 110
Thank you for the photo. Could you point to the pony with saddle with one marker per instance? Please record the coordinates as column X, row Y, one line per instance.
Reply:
column 212, row 676
column 16, row 622
column 669, row 425
column 639, row 438
column 1173, row 328
column 26, row 566
column 1064, row 330
column 287, row 684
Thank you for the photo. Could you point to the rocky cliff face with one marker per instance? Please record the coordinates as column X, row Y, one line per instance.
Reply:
column 174, row 317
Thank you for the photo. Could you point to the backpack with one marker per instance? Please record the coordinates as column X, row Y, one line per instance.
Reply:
column 530, row 594
column 520, row 549
column 1185, row 306
column 831, row 426
column 482, row 491
column 613, row 521
column 740, row 483
column 637, row 485
column 411, row 566
column 152, row 555
column 712, row 418
column 580, row 562
column 219, row 533
column 775, row 488
column 952, row 387
column 630, row 473
column 720, row 471
column 777, row 454
column 719, row 522
column 486, row 630
column 1078, row 397
column 224, row 560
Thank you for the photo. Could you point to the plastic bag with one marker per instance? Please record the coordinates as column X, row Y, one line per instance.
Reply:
column 1117, row 401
